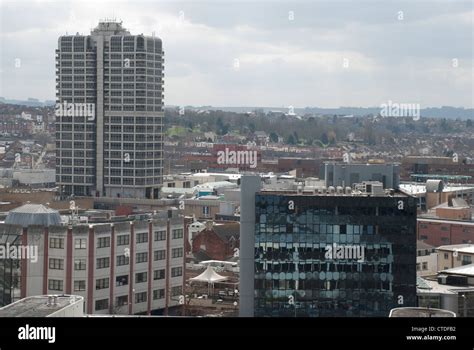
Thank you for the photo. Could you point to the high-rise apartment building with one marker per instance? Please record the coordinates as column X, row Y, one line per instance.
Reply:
column 109, row 113
column 326, row 252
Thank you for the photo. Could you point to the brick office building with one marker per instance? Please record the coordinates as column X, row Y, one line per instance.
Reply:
column 437, row 232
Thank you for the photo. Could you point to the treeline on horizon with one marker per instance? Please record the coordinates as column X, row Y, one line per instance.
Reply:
column 312, row 130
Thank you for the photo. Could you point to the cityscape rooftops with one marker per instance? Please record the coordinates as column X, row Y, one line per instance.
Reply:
column 420, row 188
column 364, row 189
column 215, row 185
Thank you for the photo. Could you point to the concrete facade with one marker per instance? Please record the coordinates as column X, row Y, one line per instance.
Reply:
column 117, row 151
column 249, row 186
column 113, row 266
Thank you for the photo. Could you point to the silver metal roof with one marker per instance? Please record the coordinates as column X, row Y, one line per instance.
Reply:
column 33, row 214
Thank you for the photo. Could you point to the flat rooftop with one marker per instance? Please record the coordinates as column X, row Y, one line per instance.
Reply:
column 37, row 306
column 416, row 188
column 464, row 270
column 461, row 248
column 315, row 193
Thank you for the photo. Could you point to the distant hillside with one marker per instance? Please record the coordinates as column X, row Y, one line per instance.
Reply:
column 433, row 112
column 31, row 102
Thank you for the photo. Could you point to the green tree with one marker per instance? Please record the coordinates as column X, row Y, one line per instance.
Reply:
column 324, row 138
column 252, row 127
column 291, row 140
column 273, row 137
column 295, row 135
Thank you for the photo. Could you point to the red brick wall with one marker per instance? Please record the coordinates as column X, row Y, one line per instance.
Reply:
column 439, row 233
column 215, row 247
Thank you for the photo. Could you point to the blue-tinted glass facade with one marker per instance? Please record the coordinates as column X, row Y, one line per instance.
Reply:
column 294, row 276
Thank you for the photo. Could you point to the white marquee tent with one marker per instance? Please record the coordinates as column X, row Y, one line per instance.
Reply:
column 210, row 276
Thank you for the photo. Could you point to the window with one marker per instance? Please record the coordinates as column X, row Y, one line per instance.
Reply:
column 418, row 267
column 159, row 274
column 79, row 264
column 56, row 264
column 176, row 271
column 466, row 259
column 178, row 233
column 123, row 240
column 446, row 256
column 122, row 300
column 122, row 260
column 55, row 285
column 80, row 243
column 175, row 291
column 79, row 286
column 160, row 255
column 205, row 210
column 102, row 304
column 158, row 294
column 160, row 235
column 103, row 263
column 140, row 277
column 101, row 283
column 444, row 228
column 425, row 266
column 121, row 280
column 142, row 237
column 177, row 252
column 141, row 257
column 57, row 243
column 103, row 242
column 140, row 297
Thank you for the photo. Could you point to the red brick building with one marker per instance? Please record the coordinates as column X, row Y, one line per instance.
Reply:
column 304, row 166
column 437, row 232
column 219, row 241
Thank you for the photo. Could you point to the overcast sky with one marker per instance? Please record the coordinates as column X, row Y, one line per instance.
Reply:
column 327, row 53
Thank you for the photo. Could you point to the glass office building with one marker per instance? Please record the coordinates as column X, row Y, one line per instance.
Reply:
column 334, row 255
